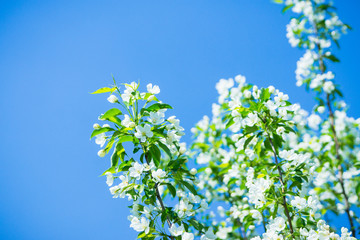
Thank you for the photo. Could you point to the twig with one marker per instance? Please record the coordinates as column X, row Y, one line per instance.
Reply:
column 282, row 186
column 157, row 193
column 281, row 180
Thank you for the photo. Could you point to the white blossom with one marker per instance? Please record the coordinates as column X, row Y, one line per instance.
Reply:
column 136, row 170
column 140, row 225
column 127, row 122
column 153, row 89
column 187, row 236
column 143, row 131
column 109, row 178
column 156, row 118
column 158, row 175
column 299, row 203
column 100, row 139
column 112, row 99
column 251, row 119
column 328, row 87
column 209, row 235
column 176, row 231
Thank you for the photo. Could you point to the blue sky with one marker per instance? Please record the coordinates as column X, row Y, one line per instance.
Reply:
column 53, row 53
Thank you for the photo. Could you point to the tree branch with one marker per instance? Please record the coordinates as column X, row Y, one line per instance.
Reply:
column 157, row 193
column 337, row 147
column 281, row 180
column 336, row 141
column 282, row 186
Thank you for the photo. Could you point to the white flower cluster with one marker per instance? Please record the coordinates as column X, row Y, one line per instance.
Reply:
column 234, row 157
column 332, row 140
column 314, row 30
column 159, row 139
column 257, row 188
column 323, row 232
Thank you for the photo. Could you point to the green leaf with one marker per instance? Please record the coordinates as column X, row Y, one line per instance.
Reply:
column 175, row 164
column 136, row 149
column 297, row 179
column 155, row 154
column 229, row 123
column 111, row 170
column 348, row 26
column 110, row 113
column 171, row 189
column 101, row 130
column 267, row 144
column 114, row 159
column 126, row 138
column 141, row 235
column 119, row 153
column 104, row 90
column 124, row 166
column 247, row 141
column 109, row 144
column 287, row 8
column 275, row 210
column 249, row 130
column 195, row 224
column 147, row 95
column 277, row 140
column 157, row 106
column 290, row 193
column 165, row 148
column 337, row 43
column 190, row 187
column 163, row 216
column 265, row 94
column 338, row 92
column 332, row 58
column 289, row 129
column 248, row 222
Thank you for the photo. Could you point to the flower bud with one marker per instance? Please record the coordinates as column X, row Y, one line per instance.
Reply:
column 101, row 153
column 112, row 98
column 280, row 130
column 321, row 109
column 96, row 126
column 182, row 149
column 193, row 171
column 271, row 89
column 247, row 94
column 328, row 87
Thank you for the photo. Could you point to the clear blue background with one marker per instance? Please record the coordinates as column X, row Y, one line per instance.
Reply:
column 53, row 53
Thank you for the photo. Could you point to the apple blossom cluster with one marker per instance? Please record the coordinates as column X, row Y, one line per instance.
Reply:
column 315, row 28
column 250, row 166
column 148, row 164
column 329, row 180
column 332, row 137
